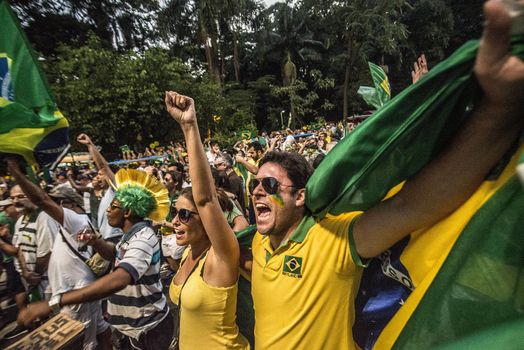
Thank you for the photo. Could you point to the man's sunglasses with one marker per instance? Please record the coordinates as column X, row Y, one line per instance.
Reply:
column 183, row 214
column 20, row 196
column 269, row 184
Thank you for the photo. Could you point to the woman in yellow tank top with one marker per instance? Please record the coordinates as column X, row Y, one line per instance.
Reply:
column 205, row 286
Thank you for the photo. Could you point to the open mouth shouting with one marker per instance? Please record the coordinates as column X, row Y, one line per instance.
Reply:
column 262, row 211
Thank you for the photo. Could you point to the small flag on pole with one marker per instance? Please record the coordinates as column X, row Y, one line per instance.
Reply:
column 30, row 123
column 381, row 93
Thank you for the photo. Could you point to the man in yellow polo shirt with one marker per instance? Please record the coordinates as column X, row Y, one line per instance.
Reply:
column 305, row 273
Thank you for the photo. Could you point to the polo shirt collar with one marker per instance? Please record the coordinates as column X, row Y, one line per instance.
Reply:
column 302, row 229
column 297, row 236
column 134, row 229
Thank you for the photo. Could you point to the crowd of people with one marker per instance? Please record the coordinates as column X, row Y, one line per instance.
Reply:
column 97, row 242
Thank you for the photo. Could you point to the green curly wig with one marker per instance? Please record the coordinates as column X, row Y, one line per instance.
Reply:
column 137, row 199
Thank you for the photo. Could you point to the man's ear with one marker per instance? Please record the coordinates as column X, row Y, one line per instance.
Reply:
column 128, row 214
column 300, row 197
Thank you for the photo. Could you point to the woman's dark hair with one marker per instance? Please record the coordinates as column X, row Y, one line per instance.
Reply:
column 187, row 193
column 297, row 167
column 178, row 179
column 223, row 199
column 221, row 180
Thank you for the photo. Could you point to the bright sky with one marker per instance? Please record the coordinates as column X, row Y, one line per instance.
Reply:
column 269, row 2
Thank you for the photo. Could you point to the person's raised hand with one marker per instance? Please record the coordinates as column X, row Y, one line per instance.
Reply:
column 239, row 158
column 420, row 68
column 181, row 108
column 499, row 73
column 84, row 139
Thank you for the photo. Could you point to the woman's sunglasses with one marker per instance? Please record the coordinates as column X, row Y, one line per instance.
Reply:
column 183, row 214
column 269, row 184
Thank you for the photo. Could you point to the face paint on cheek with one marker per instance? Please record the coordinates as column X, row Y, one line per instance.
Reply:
column 277, row 199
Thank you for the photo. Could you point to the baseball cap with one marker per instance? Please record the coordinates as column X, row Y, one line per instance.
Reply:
column 66, row 192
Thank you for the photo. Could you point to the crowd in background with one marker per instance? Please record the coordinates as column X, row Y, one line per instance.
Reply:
column 28, row 233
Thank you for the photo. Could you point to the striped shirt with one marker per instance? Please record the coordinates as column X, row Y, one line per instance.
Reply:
column 34, row 237
column 141, row 305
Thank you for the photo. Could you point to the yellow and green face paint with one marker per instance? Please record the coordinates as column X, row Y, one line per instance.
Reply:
column 276, row 199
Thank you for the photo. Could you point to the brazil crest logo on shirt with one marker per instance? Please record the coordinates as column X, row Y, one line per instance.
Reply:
column 292, row 266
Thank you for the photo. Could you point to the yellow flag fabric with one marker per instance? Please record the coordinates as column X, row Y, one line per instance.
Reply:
column 30, row 123
column 394, row 284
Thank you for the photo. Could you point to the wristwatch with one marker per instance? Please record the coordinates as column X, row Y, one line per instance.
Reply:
column 54, row 303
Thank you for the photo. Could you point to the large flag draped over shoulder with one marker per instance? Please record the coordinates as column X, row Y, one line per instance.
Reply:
column 437, row 285
column 30, row 123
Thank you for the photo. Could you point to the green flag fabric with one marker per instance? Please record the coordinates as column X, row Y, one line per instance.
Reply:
column 480, row 285
column 379, row 95
column 399, row 139
column 30, row 123
column 442, row 285
column 245, row 312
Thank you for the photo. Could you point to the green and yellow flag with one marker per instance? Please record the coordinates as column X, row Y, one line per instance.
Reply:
column 381, row 93
column 460, row 281
column 30, row 123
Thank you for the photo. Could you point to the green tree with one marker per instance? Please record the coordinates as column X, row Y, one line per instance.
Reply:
column 121, row 24
column 287, row 40
column 366, row 27
column 116, row 96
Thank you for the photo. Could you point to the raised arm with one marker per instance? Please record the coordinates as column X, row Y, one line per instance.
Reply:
column 35, row 193
column 252, row 168
column 72, row 181
column 100, row 162
column 223, row 240
column 450, row 179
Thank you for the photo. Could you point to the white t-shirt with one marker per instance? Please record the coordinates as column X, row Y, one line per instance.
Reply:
column 66, row 270
column 170, row 248
column 87, row 199
column 34, row 238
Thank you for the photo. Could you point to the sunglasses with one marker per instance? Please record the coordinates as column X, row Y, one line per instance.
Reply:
column 269, row 184
column 183, row 214
column 114, row 206
column 20, row 196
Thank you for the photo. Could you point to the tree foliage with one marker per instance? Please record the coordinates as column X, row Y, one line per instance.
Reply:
column 252, row 66
column 117, row 96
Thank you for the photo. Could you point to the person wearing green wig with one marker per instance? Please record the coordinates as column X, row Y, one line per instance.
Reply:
column 136, row 305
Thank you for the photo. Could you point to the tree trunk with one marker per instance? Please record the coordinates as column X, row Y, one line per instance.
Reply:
column 222, row 73
column 346, row 93
column 215, row 75
column 209, row 50
column 347, row 78
column 236, row 63
column 204, row 39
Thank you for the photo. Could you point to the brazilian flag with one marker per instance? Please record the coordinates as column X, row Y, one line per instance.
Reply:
column 30, row 123
column 381, row 93
column 460, row 283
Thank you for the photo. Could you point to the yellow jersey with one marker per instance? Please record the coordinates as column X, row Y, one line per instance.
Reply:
column 303, row 291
